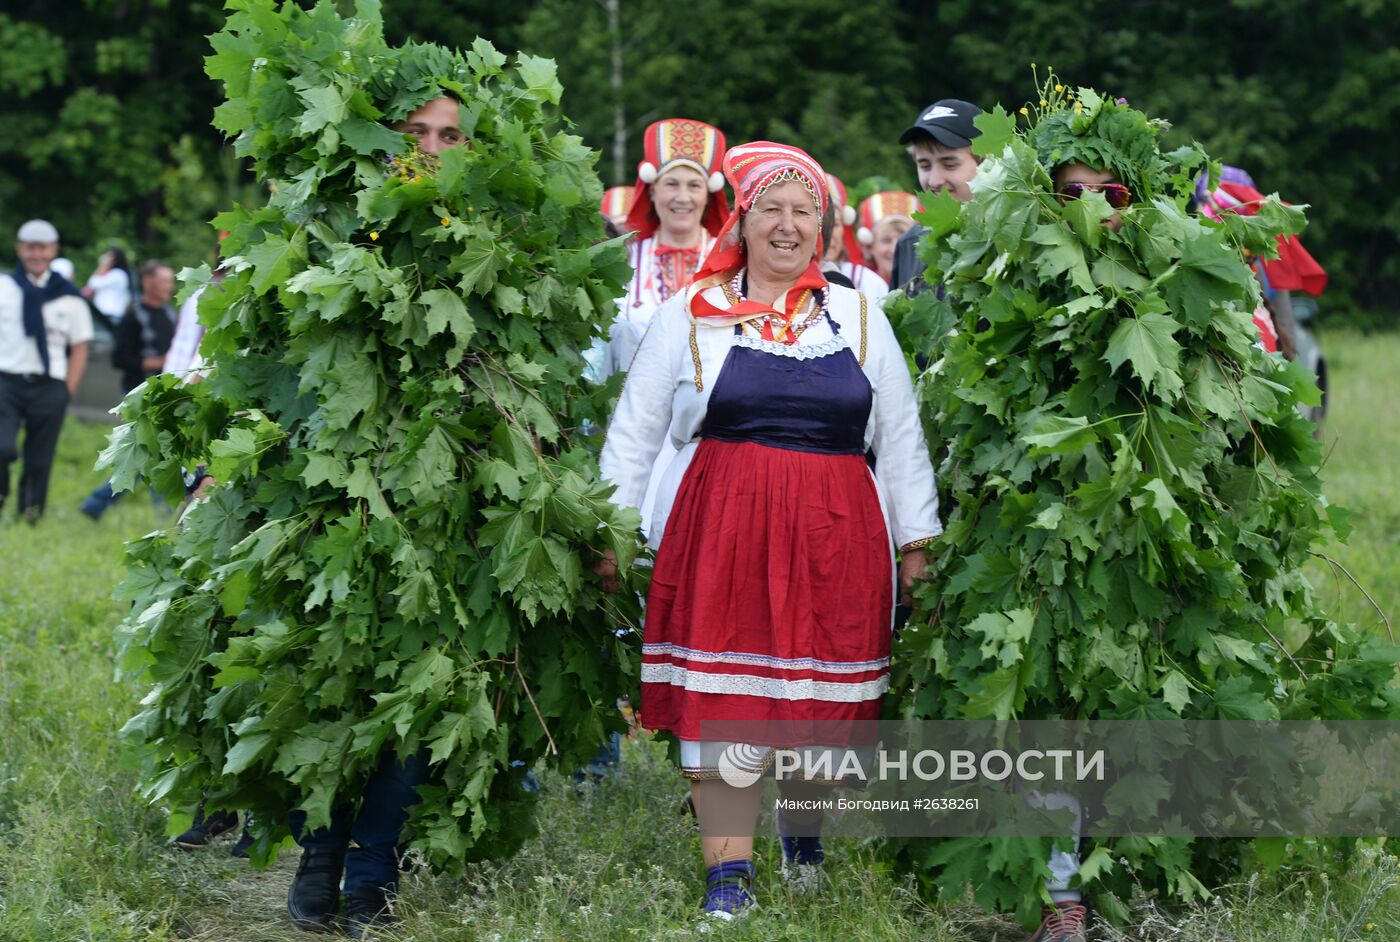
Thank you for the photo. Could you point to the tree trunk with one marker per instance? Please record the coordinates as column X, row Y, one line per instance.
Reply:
column 619, row 143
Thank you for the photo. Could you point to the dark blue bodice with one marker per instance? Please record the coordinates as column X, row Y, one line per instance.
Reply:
column 818, row 405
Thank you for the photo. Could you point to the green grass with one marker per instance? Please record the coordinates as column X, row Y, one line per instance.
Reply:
column 83, row 858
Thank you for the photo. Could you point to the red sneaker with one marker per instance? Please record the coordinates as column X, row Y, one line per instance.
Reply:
column 1065, row 923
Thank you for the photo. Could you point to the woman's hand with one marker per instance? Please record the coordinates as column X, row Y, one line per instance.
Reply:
column 606, row 571
column 913, row 567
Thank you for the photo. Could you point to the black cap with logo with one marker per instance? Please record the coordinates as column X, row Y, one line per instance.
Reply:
column 948, row 121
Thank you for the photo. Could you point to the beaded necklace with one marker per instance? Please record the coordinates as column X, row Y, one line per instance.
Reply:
column 779, row 329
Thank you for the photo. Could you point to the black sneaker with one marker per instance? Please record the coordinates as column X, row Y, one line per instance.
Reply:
column 314, row 896
column 367, row 908
column 206, row 828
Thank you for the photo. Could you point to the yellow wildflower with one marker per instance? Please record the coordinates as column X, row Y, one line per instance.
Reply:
column 1024, row 111
column 445, row 221
column 1043, row 102
column 1059, row 88
column 374, row 236
column 1079, row 107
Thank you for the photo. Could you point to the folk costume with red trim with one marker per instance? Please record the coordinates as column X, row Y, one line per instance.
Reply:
column 772, row 594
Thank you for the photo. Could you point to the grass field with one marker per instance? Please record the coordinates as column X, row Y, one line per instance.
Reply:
column 82, row 858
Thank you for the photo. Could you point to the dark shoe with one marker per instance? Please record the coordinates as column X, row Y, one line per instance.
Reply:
column 1065, row 923
column 366, row 909
column 314, row 896
column 245, row 843
column 206, row 828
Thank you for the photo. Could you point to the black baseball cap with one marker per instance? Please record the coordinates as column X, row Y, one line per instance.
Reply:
column 948, row 121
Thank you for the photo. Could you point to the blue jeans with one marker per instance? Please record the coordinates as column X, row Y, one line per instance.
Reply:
column 373, row 860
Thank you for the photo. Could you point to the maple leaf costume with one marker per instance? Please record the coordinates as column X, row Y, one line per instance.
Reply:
column 1132, row 494
column 382, row 602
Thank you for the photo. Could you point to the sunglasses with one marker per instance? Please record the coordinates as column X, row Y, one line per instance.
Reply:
column 1117, row 195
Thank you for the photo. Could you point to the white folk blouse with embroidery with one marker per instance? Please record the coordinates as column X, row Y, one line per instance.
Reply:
column 668, row 389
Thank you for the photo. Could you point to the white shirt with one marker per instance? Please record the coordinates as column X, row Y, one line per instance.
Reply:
column 660, row 404
column 111, row 293
column 67, row 321
column 865, row 280
column 183, row 357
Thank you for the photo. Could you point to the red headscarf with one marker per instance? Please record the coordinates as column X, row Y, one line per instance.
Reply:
column 617, row 201
column 848, row 220
column 679, row 142
column 752, row 169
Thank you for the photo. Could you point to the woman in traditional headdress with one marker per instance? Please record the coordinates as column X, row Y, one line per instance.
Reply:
column 843, row 252
column 884, row 217
column 678, row 208
column 773, row 590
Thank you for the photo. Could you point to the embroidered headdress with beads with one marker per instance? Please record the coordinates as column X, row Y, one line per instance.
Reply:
column 751, row 170
column 679, row 142
column 875, row 208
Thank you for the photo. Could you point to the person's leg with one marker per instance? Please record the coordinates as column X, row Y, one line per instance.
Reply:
column 101, row 498
column 800, row 828
column 314, row 896
column 1066, row 920
column 727, row 817
column 10, row 412
column 372, row 866
column 48, row 401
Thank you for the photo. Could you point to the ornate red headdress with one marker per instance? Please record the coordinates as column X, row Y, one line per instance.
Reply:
column 751, row 169
column 617, row 201
column 848, row 219
column 679, row 142
column 882, row 204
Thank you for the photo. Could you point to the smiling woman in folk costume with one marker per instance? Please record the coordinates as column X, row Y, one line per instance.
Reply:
column 678, row 208
column 843, row 251
column 774, row 584
column 883, row 218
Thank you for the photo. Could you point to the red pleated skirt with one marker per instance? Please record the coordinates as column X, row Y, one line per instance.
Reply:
column 772, row 594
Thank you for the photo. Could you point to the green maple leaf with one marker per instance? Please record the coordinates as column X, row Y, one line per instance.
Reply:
column 1147, row 344
column 541, row 77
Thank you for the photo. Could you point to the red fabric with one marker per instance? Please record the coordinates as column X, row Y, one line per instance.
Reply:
column 752, row 567
column 1295, row 269
column 1268, row 334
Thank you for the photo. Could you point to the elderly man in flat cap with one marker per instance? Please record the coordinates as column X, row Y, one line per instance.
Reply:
column 45, row 328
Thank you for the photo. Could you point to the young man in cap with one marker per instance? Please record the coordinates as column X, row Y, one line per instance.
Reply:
column 45, row 328
column 940, row 141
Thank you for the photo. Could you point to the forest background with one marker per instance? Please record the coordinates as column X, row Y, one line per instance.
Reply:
column 106, row 107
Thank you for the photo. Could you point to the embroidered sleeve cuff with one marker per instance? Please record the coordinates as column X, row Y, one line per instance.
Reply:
column 918, row 544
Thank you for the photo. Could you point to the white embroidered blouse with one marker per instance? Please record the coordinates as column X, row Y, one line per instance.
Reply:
column 667, row 395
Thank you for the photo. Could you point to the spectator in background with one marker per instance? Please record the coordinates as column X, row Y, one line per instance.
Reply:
column 144, row 334
column 45, row 329
column 844, row 262
column 109, row 288
column 141, row 340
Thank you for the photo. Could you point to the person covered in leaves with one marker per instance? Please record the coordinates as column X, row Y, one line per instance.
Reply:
column 361, row 845
column 1118, row 450
column 774, row 583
